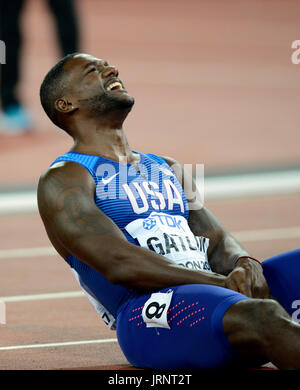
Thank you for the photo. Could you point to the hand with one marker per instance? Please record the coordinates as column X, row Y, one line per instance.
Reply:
column 248, row 279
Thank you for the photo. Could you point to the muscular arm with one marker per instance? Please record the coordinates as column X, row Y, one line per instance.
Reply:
column 225, row 255
column 223, row 250
column 76, row 225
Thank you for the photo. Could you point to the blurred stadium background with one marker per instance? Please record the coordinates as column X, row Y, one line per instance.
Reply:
column 214, row 84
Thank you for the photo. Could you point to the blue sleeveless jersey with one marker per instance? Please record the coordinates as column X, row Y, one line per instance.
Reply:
column 124, row 194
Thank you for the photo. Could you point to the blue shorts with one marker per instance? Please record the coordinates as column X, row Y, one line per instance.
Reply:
column 196, row 338
column 282, row 273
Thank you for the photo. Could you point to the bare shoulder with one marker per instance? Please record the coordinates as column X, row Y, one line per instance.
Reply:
column 185, row 176
column 176, row 166
column 62, row 178
column 65, row 195
column 171, row 161
column 63, row 172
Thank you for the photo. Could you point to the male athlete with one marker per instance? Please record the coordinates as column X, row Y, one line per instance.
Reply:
column 179, row 290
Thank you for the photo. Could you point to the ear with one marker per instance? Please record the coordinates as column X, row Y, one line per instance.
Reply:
column 64, row 106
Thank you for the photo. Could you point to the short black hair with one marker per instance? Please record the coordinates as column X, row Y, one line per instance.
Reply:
column 53, row 87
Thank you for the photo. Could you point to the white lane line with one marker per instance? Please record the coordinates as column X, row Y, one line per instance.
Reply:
column 27, row 252
column 216, row 187
column 39, row 297
column 267, row 234
column 245, row 236
column 252, row 184
column 51, row 345
column 15, row 203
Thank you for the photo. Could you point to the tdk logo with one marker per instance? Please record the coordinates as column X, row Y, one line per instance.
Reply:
column 164, row 220
column 149, row 223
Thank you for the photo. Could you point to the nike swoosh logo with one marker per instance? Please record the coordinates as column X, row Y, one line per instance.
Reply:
column 106, row 181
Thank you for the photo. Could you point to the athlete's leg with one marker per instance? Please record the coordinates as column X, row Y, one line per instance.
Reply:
column 10, row 33
column 282, row 273
column 261, row 328
column 66, row 22
column 264, row 327
column 196, row 337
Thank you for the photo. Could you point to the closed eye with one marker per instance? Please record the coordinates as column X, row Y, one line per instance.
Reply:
column 93, row 69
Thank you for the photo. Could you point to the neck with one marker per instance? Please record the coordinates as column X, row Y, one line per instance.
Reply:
column 104, row 138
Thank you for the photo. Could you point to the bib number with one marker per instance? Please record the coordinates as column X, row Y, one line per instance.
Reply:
column 155, row 310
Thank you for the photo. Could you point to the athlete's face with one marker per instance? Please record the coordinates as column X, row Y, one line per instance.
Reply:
column 96, row 85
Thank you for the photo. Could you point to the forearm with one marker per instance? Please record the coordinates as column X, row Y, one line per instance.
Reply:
column 223, row 250
column 140, row 268
column 225, row 254
column 133, row 266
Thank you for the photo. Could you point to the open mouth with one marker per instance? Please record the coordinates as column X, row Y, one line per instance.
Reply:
column 115, row 86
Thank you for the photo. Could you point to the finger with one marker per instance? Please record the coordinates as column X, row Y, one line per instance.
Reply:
column 231, row 284
column 245, row 289
column 260, row 290
column 241, row 281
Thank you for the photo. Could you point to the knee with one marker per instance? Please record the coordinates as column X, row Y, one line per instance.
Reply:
column 265, row 311
column 247, row 322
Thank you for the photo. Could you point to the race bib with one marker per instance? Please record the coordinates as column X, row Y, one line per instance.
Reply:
column 155, row 310
column 171, row 237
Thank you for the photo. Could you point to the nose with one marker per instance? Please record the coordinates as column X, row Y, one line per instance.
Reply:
column 110, row 71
